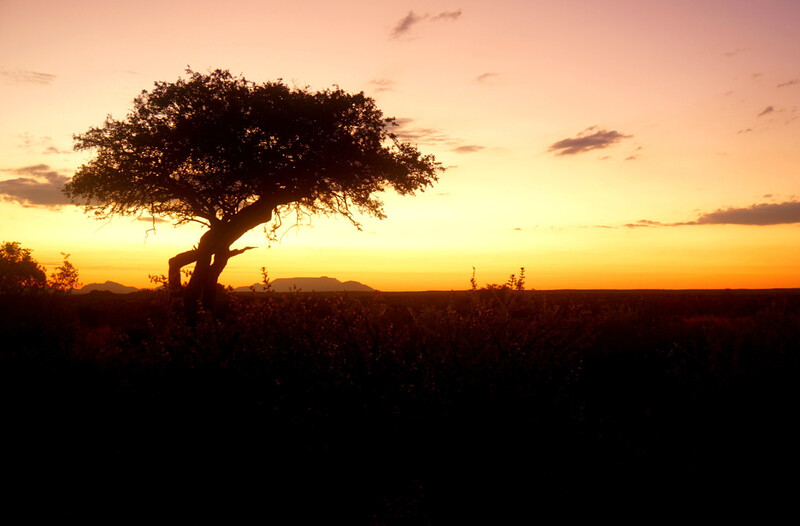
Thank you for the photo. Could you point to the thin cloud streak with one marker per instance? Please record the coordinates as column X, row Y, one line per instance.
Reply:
column 41, row 187
column 448, row 15
column 589, row 139
column 382, row 84
column 767, row 110
column 27, row 77
column 405, row 24
column 486, row 77
column 470, row 148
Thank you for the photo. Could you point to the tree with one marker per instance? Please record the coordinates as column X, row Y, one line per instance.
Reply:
column 231, row 155
column 19, row 272
column 64, row 279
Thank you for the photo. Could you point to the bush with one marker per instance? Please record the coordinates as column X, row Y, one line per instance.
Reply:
column 21, row 274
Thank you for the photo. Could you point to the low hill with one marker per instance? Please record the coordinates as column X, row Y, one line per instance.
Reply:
column 321, row 284
column 110, row 286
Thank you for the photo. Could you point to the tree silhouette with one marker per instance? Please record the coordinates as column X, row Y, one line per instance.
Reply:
column 19, row 272
column 232, row 154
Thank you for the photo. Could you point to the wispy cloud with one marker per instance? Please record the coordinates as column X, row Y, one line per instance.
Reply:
column 734, row 52
column 447, row 15
column 643, row 223
column 39, row 186
column 382, row 84
column 43, row 145
column 765, row 111
column 589, row 139
column 486, row 77
column 151, row 219
column 26, row 76
column 470, row 148
column 405, row 131
column 405, row 24
column 789, row 83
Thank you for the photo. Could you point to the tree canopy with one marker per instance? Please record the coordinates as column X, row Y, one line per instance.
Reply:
column 20, row 273
column 232, row 154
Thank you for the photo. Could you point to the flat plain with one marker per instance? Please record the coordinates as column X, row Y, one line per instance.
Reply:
column 402, row 408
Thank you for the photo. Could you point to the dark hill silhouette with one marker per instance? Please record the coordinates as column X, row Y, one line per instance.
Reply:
column 321, row 284
column 110, row 286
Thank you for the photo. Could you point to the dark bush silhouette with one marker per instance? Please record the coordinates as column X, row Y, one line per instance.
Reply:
column 231, row 154
column 20, row 273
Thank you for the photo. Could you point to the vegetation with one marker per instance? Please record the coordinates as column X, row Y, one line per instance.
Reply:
column 232, row 155
column 404, row 408
column 20, row 273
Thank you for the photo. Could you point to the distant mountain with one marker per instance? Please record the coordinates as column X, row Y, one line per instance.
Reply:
column 110, row 286
column 321, row 284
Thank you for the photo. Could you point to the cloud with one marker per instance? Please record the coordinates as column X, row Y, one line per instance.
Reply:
column 758, row 214
column 470, row 148
column 41, row 186
column 486, row 77
column 382, row 84
column 643, row 223
column 405, row 24
column 431, row 137
column 734, row 52
column 789, row 83
column 768, row 109
column 589, row 139
column 26, row 76
column 43, row 145
column 762, row 214
column 447, row 15
column 151, row 219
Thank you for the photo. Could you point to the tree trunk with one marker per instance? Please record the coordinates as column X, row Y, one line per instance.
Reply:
column 174, row 276
column 214, row 244
column 202, row 287
column 198, row 283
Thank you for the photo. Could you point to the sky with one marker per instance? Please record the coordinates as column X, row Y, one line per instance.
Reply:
column 598, row 144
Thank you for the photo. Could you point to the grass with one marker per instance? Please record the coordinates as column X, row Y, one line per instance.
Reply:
column 401, row 408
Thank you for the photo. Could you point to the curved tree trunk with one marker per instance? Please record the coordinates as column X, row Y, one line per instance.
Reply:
column 202, row 287
column 214, row 245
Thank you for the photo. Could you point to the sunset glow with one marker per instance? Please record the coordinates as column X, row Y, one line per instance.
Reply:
column 600, row 145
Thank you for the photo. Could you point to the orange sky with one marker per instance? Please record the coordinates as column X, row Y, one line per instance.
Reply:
column 617, row 144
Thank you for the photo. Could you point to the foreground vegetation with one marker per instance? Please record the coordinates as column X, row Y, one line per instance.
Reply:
column 421, row 408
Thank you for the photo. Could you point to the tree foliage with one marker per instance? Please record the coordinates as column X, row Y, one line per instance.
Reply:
column 64, row 278
column 20, row 273
column 232, row 154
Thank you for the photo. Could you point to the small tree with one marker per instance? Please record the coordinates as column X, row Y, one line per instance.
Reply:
column 19, row 272
column 64, row 279
column 231, row 155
